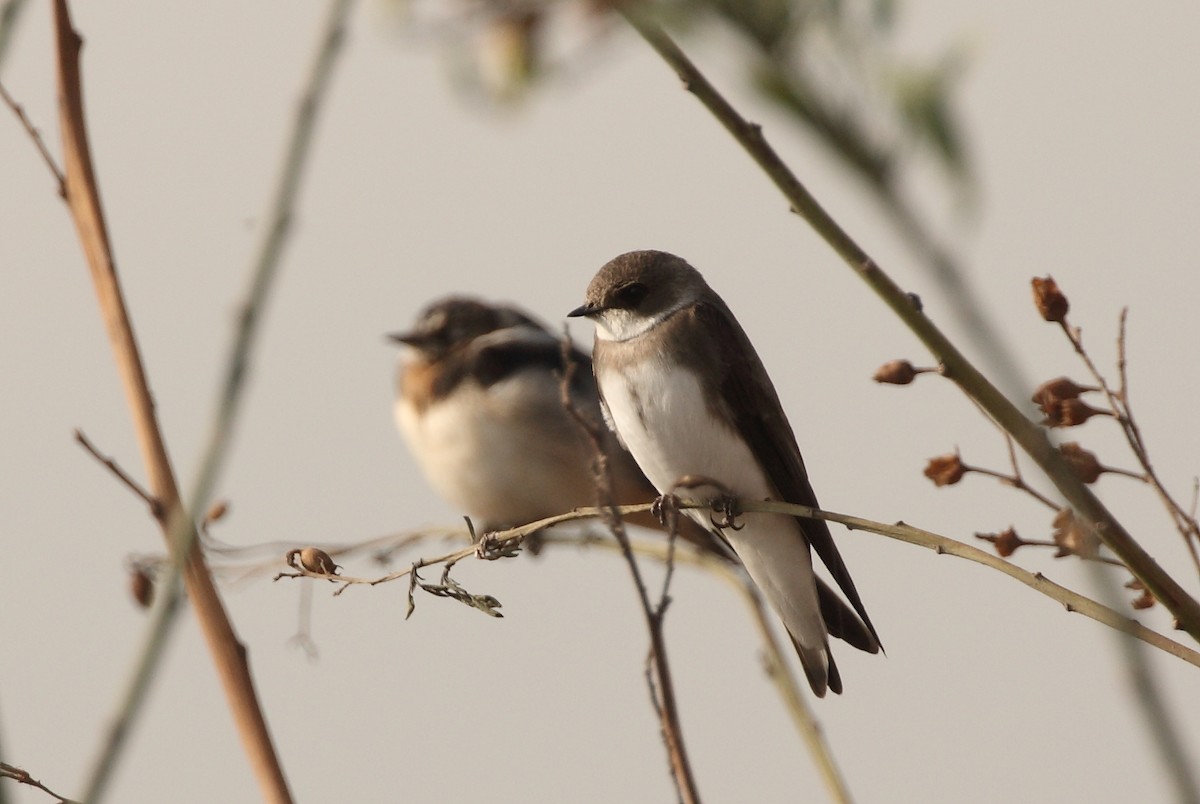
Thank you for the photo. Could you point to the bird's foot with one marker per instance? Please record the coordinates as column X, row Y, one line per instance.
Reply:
column 723, row 501
column 665, row 508
column 725, row 511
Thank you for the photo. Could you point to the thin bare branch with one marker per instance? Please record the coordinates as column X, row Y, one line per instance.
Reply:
column 671, row 524
column 1120, row 409
column 1072, row 601
column 36, row 136
column 1185, row 523
column 1014, row 480
column 1018, row 480
column 156, row 509
column 21, row 776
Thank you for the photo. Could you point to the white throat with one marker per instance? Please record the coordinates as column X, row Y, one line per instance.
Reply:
column 625, row 325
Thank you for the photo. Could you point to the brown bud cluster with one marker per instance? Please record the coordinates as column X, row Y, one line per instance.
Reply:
column 900, row 372
column 1072, row 537
column 1049, row 300
column 1082, row 461
column 1058, row 389
column 1006, row 541
column 1059, row 400
column 1070, row 413
column 945, row 470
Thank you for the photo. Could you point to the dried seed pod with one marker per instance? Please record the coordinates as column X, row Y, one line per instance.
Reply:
column 141, row 586
column 1006, row 541
column 1058, row 389
column 314, row 559
column 896, row 372
column 1071, row 413
column 1049, row 300
column 1072, row 537
column 1083, row 461
column 945, row 470
column 1143, row 601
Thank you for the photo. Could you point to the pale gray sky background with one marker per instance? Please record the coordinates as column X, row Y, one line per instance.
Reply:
column 1084, row 122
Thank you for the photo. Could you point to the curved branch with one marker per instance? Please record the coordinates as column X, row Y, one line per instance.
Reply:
column 494, row 544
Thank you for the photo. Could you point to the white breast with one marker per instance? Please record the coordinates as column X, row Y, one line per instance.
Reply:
column 506, row 454
column 659, row 412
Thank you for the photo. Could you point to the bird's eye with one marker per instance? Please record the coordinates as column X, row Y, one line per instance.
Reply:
column 631, row 295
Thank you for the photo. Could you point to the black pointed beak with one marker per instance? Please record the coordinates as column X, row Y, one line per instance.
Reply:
column 584, row 310
column 406, row 338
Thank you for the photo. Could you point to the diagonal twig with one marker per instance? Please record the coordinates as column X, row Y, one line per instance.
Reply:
column 36, row 136
column 22, row 776
column 156, row 509
column 1185, row 523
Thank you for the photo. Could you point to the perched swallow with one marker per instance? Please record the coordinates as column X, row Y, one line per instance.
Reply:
column 684, row 389
column 479, row 403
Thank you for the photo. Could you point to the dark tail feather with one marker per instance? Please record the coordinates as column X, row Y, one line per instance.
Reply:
column 835, row 678
column 842, row 622
column 819, row 680
column 822, row 542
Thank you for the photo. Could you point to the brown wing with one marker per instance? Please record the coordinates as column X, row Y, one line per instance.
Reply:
column 753, row 404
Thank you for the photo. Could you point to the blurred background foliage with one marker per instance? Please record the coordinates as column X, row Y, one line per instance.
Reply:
column 830, row 65
column 834, row 68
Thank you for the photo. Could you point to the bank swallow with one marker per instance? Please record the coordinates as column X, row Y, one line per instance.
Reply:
column 479, row 403
column 684, row 389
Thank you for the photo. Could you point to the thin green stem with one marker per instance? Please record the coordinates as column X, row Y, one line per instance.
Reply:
column 10, row 14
